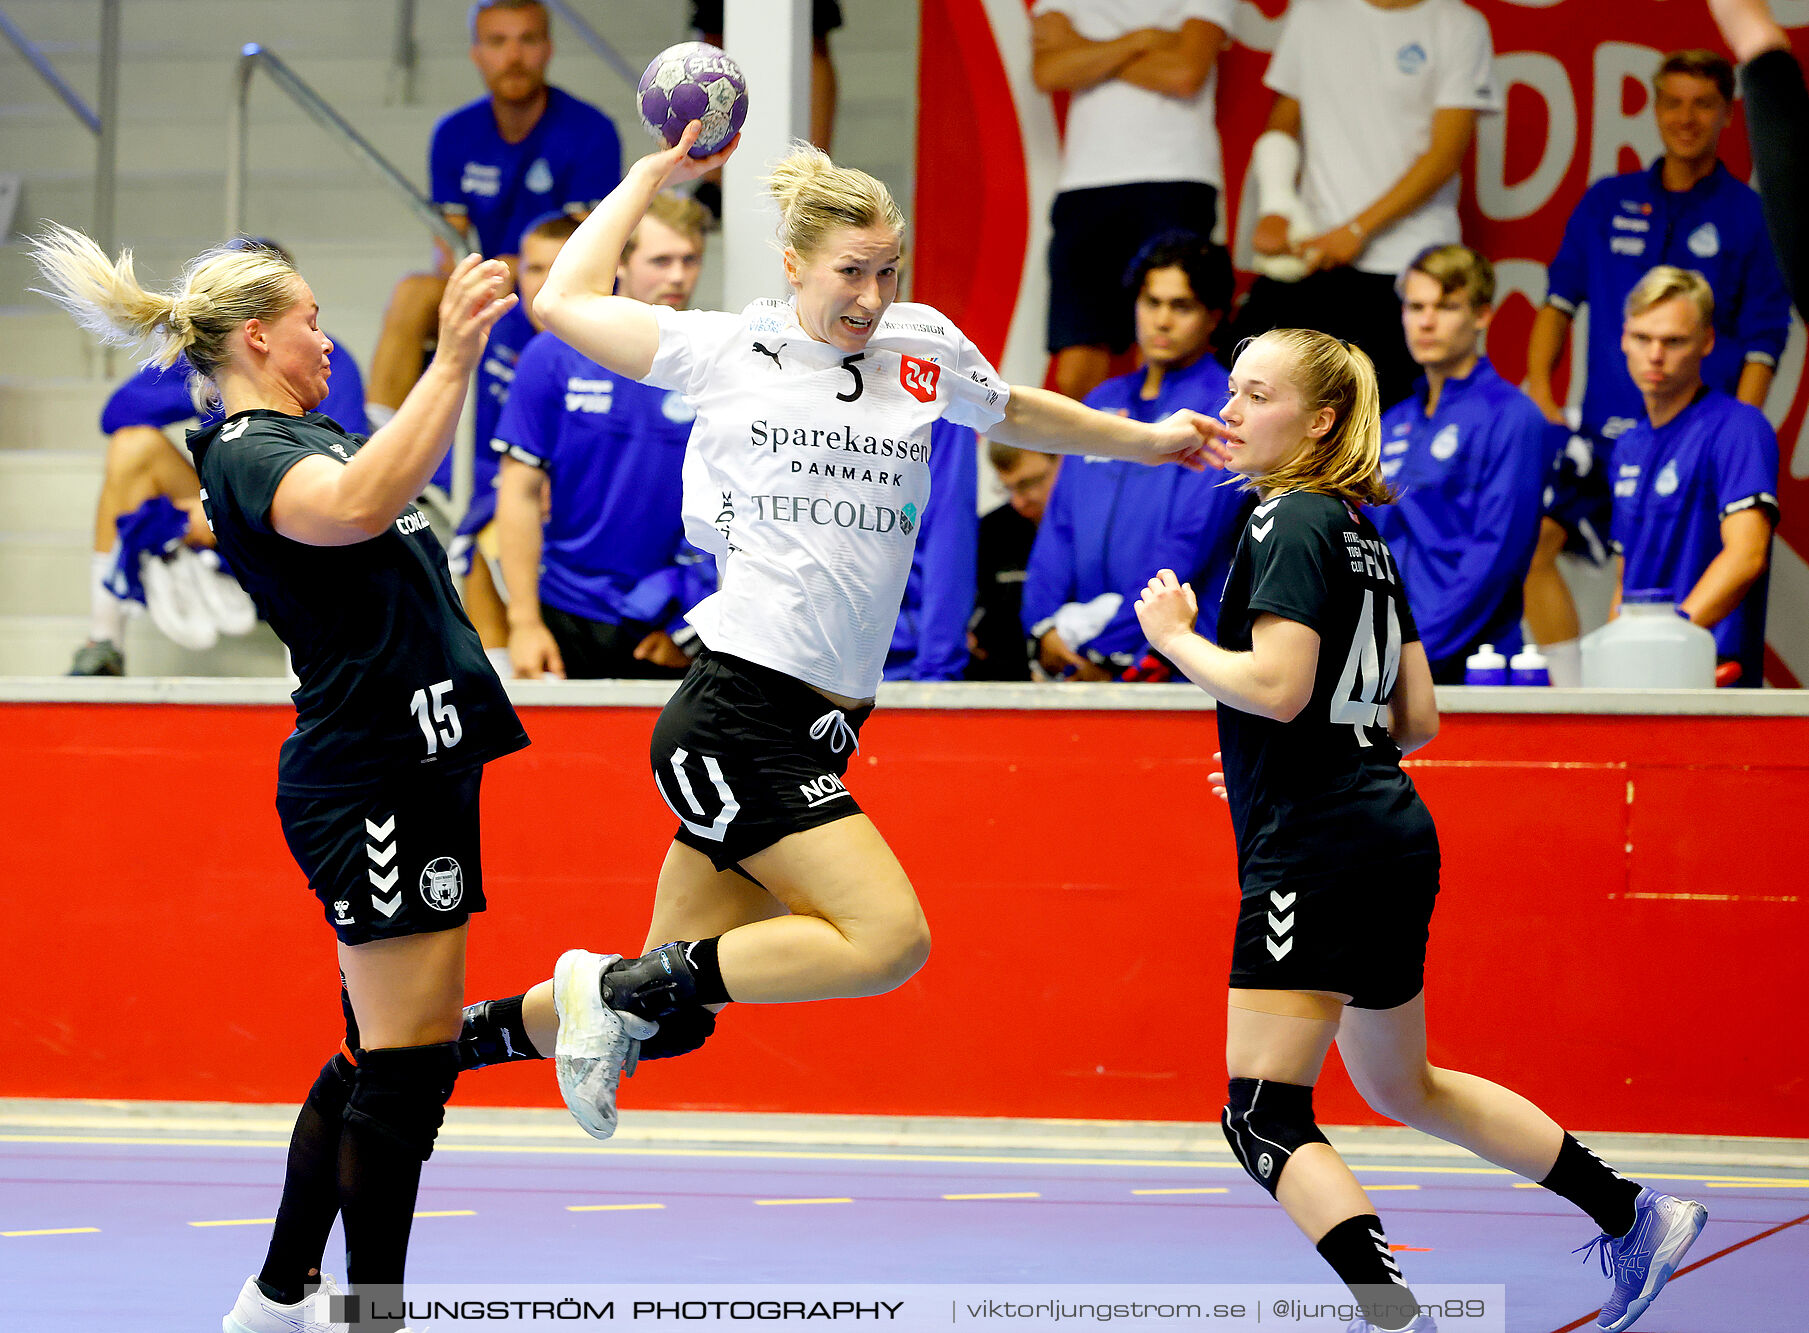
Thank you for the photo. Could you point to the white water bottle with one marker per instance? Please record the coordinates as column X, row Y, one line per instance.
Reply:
column 1485, row 666
column 1528, row 667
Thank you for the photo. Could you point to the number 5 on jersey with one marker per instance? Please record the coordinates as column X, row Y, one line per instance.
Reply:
column 439, row 720
column 1369, row 669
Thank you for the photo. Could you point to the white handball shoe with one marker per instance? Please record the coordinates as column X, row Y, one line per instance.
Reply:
column 596, row 1043
column 255, row 1312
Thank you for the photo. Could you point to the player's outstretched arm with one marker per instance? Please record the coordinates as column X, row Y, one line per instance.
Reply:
column 1054, row 423
column 323, row 503
column 577, row 302
column 1274, row 679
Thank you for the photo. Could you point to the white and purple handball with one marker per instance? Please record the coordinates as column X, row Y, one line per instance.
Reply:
column 693, row 81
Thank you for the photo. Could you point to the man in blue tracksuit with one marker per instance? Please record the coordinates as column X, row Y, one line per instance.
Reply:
column 1110, row 525
column 1686, row 210
column 1468, row 455
column 930, row 640
column 1696, row 481
column 601, row 590
column 144, row 464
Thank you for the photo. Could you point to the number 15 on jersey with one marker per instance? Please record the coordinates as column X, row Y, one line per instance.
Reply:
column 438, row 718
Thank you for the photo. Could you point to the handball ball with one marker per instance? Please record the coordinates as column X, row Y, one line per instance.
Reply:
column 693, row 81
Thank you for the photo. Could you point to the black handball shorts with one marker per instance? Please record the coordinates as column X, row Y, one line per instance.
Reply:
column 403, row 860
column 745, row 755
column 1359, row 932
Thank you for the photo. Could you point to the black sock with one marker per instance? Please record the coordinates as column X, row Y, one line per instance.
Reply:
column 1357, row 1250
column 378, row 1184
column 494, row 1033
column 1594, row 1186
column 310, row 1188
column 701, row 954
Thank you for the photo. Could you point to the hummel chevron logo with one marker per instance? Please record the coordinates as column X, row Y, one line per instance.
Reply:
column 381, row 855
column 386, row 882
column 379, row 832
column 1263, row 510
column 236, row 429
column 1279, row 952
column 1282, row 901
column 387, row 906
column 1281, row 925
column 1261, row 530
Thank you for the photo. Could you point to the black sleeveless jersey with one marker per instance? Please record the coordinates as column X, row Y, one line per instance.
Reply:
column 393, row 678
column 1308, row 796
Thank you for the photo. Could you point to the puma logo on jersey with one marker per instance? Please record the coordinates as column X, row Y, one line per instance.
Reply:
column 761, row 348
column 235, row 429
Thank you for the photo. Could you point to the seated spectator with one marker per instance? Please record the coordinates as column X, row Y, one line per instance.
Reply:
column 600, row 589
column 1687, row 210
column 474, row 553
column 1376, row 104
column 1468, row 455
column 144, row 465
column 1696, row 480
column 995, row 634
column 1110, row 523
column 1140, row 155
column 929, row 642
column 493, row 166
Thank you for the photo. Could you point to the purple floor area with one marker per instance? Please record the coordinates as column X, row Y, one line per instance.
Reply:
column 146, row 1266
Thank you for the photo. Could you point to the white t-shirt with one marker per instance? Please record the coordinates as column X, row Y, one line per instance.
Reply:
column 808, row 473
column 1119, row 133
column 1368, row 81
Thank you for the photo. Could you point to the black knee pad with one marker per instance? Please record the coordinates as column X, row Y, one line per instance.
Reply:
column 680, row 1033
column 333, row 1087
column 655, row 985
column 401, row 1093
column 1266, row 1123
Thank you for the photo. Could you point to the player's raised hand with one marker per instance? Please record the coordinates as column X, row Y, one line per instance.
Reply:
column 675, row 165
column 1166, row 609
column 478, row 293
column 1192, row 439
column 1216, row 779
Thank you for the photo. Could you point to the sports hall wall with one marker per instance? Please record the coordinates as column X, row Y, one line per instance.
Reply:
column 1576, row 75
column 1620, row 934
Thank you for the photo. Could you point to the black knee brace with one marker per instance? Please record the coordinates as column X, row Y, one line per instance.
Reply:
column 655, row 985
column 1266, row 1123
column 401, row 1093
column 680, row 1033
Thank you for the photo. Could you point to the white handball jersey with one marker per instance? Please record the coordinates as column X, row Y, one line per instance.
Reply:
column 1369, row 82
column 1120, row 134
column 808, row 473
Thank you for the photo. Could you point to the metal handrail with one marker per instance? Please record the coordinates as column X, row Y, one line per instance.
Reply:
column 102, row 124
column 254, row 57
column 595, row 41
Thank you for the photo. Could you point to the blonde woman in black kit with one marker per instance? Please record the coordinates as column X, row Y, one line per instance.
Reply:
column 397, row 712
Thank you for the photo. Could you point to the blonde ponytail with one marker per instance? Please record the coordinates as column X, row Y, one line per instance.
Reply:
column 220, row 289
column 816, row 197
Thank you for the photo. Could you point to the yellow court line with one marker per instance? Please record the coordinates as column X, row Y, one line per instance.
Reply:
column 747, row 1154
column 774, row 1203
column 1390, row 1187
column 238, row 1222
column 1725, row 1184
column 53, row 1231
column 1027, row 1194
column 609, row 1207
column 1216, row 1189
column 451, row 1212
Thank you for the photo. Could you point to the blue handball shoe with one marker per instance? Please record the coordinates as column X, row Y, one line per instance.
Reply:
column 1642, row 1261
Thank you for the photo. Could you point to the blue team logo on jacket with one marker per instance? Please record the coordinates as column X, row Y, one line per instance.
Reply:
column 1666, row 484
column 677, row 408
column 540, row 176
column 1411, row 58
column 1444, row 444
column 1705, row 241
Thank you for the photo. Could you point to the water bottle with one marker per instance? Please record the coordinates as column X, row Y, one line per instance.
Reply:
column 1485, row 666
column 1527, row 667
column 1649, row 647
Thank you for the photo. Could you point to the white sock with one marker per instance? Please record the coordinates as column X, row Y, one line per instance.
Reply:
column 499, row 658
column 377, row 416
column 1564, row 663
column 106, row 613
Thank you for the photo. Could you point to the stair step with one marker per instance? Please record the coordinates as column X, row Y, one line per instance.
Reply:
column 45, row 646
column 49, row 490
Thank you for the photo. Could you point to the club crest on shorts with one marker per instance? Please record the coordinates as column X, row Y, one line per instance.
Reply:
column 919, row 377
column 442, row 884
